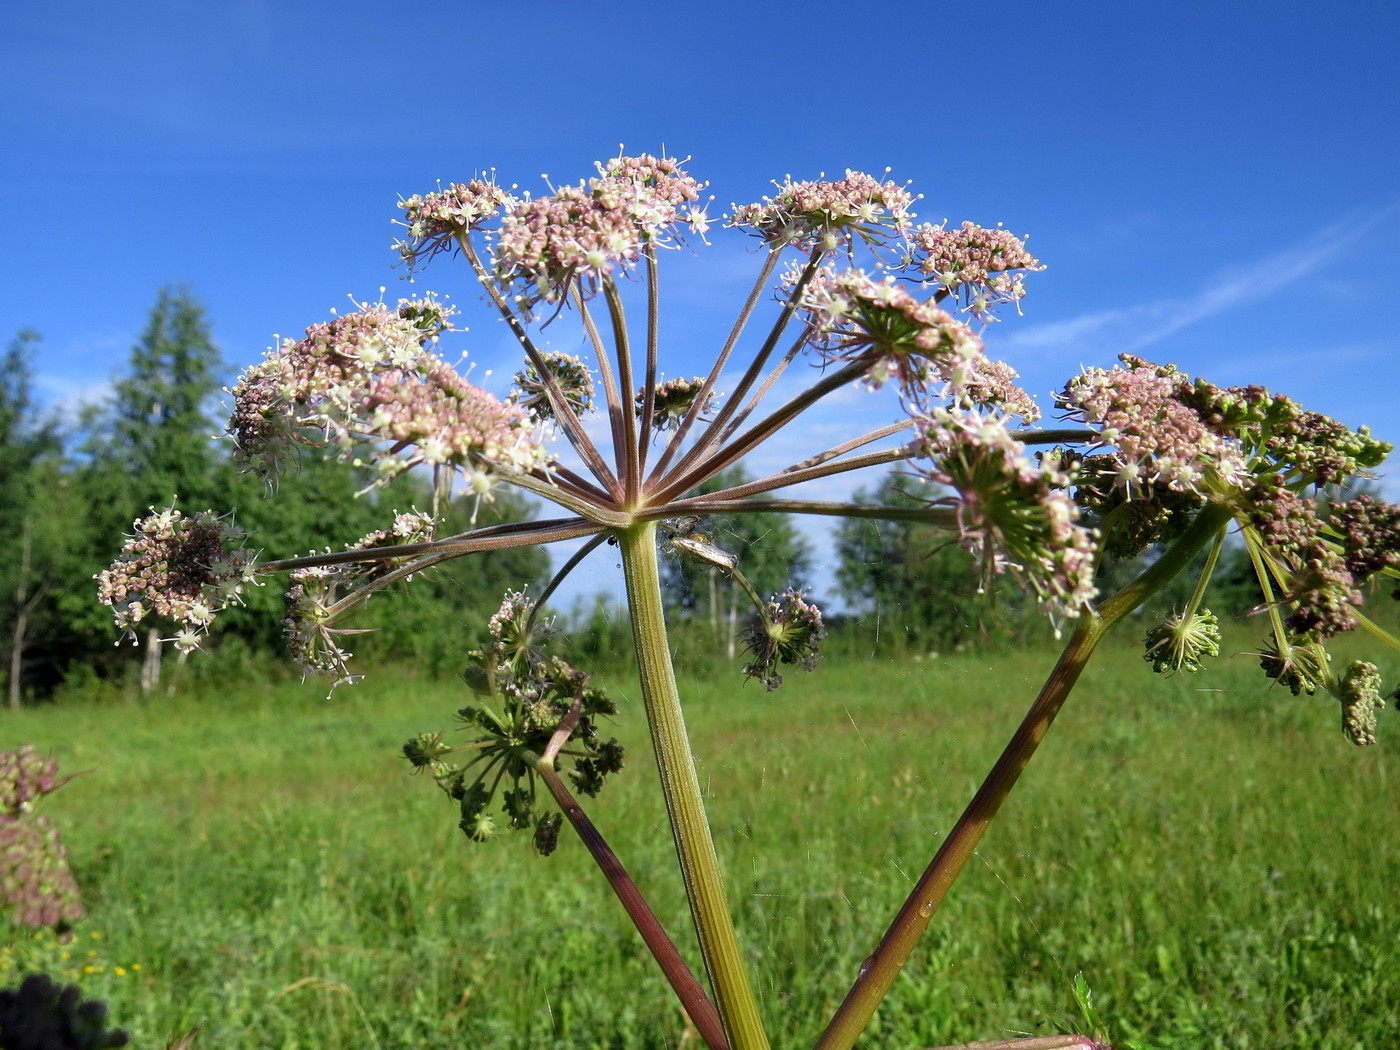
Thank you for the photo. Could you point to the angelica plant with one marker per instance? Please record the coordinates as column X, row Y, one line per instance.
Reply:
column 849, row 290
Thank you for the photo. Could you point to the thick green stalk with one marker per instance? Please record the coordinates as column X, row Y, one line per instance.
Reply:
column 695, row 850
column 878, row 973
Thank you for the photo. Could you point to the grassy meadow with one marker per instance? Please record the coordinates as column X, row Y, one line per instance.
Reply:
column 1209, row 851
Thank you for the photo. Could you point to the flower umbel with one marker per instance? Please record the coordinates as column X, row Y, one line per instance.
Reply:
column 926, row 351
column 580, row 235
column 830, row 215
column 1182, row 642
column 788, row 631
column 36, row 886
column 974, row 264
column 369, row 388
column 569, row 372
column 434, row 220
column 178, row 568
column 1013, row 515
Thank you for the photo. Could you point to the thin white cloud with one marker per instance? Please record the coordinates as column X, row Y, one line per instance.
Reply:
column 1133, row 328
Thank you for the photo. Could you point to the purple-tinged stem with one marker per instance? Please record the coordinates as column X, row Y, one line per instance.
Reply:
column 491, row 537
column 693, row 413
column 689, row 472
column 563, row 411
column 648, row 412
column 629, row 461
column 711, row 436
column 682, row 981
column 611, row 393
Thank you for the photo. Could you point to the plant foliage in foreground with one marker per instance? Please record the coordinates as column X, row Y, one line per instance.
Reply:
column 1148, row 455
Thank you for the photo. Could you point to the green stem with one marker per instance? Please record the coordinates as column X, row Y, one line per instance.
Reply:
column 878, row 973
column 695, row 851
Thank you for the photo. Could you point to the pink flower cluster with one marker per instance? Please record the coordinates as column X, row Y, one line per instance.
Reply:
column 580, row 234
column 972, row 262
column 828, row 214
column 25, row 777
column 36, row 884
column 369, row 381
column 435, row 219
column 179, row 568
column 1159, row 439
column 924, row 349
column 409, row 527
column 1013, row 514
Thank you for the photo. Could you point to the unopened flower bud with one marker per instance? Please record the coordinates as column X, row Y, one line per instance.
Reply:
column 547, row 833
column 425, row 749
column 1361, row 699
column 1180, row 643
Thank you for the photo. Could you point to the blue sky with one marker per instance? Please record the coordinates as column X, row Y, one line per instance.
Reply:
column 1213, row 184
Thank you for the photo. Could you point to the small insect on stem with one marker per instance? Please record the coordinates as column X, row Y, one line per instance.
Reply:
column 681, row 536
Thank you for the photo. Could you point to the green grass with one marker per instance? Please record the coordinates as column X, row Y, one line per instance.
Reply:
column 1208, row 851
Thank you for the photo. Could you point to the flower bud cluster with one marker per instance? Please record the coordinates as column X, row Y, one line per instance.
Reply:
column 570, row 374
column 828, row 214
column 922, row 348
column 788, row 631
column 1182, row 642
column 1369, row 534
column 368, row 383
column 1319, row 587
column 179, row 568
column 1305, row 448
column 36, row 885
column 672, row 399
column 1160, row 439
column 973, row 263
column 1013, row 514
column 1318, row 450
column 523, row 697
column 581, row 234
column 1361, row 699
column 434, row 220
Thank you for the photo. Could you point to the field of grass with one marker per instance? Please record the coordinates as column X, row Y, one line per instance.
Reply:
column 1210, row 852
